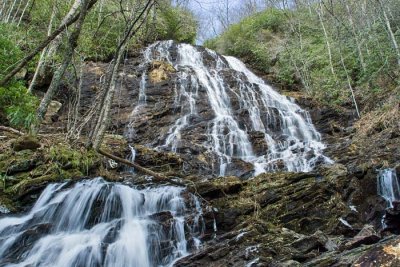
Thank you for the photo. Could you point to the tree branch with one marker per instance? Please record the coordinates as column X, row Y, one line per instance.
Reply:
column 158, row 177
column 11, row 130
column 39, row 48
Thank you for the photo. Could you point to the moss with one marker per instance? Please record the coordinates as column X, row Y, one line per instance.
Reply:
column 293, row 200
column 67, row 157
column 6, row 202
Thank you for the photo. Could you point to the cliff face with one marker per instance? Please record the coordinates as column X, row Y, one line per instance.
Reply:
column 212, row 111
column 331, row 216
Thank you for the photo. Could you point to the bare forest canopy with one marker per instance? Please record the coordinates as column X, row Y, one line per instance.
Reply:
column 341, row 53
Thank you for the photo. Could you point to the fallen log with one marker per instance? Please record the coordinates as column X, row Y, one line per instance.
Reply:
column 11, row 130
column 157, row 176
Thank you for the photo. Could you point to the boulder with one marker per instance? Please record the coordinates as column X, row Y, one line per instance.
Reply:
column 26, row 142
column 52, row 112
column 160, row 71
column 366, row 236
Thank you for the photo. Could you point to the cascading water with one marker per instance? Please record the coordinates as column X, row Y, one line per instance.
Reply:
column 96, row 223
column 388, row 186
column 293, row 142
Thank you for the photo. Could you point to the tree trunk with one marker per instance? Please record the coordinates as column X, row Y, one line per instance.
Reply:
column 3, row 10
column 42, row 58
column 353, row 30
column 55, row 82
column 391, row 34
column 11, row 130
column 350, row 87
column 102, row 122
column 328, row 45
column 16, row 11
column 39, row 48
column 53, row 46
column 23, row 12
column 10, row 11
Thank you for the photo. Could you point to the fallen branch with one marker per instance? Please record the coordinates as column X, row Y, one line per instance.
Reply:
column 157, row 176
column 11, row 130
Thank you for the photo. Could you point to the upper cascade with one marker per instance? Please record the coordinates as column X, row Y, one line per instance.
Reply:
column 228, row 113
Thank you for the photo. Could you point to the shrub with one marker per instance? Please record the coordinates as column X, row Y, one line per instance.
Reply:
column 18, row 106
column 177, row 24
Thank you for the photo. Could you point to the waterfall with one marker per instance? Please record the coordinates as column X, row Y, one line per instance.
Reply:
column 388, row 186
column 96, row 223
column 293, row 142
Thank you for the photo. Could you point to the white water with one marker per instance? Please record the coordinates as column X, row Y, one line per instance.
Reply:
column 291, row 137
column 388, row 186
column 96, row 223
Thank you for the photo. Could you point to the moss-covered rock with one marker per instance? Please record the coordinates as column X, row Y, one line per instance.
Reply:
column 26, row 142
column 289, row 219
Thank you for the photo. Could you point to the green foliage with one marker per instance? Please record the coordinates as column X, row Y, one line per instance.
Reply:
column 291, row 45
column 18, row 106
column 250, row 38
column 176, row 24
column 9, row 52
column 64, row 155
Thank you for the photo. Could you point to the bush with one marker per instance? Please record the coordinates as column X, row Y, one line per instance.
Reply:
column 18, row 106
column 176, row 24
column 9, row 52
column 250, row 38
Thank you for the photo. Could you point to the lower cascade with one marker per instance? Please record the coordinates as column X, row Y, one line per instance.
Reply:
column 224, row 108
column 388, row 186
column 96, row 223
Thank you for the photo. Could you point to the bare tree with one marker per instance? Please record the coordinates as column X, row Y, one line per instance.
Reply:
column 328, row 44
column 41, row 46
column 44, row 52
column 390, row 31
column 72, row 44
column 102, row 121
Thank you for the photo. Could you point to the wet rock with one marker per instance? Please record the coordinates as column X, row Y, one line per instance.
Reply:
column 219, row 187
column 392, row 218
column 240, row 168
column 385, row 254
column 28, row 239
column 260, row 146
column 4, row 209
column 291, row 263
column 366, row 236
column 164, row 218
column 315, row 242
column 26, row 142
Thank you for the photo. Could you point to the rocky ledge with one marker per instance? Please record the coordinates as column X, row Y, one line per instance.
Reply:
column 329, row 218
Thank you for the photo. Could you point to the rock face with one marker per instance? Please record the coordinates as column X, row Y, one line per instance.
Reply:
column 211, row 110
column 293, row 219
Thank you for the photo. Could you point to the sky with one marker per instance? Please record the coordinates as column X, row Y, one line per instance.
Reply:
column 215, row 15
